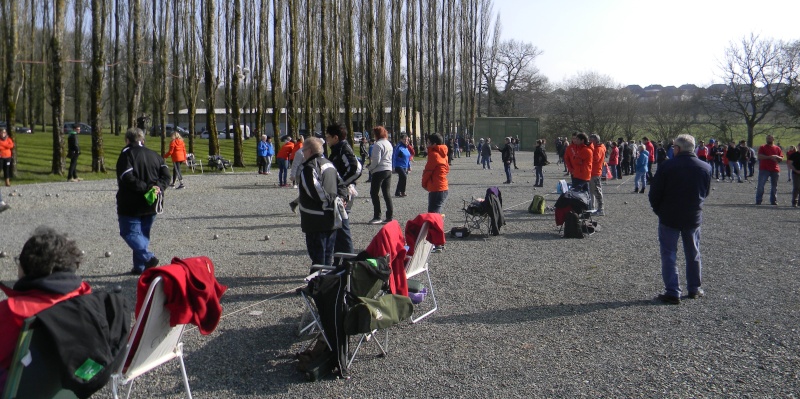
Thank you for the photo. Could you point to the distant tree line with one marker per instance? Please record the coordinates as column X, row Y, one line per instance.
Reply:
column 444, row 61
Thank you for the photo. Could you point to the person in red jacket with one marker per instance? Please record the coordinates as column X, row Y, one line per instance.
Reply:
column 46, row 268
column 651, row 149
column 6, row 144
column 613, row 161
column 596, row 184
column 434, row 177
column 284, row 152
column 581, row 160
column 177, row 150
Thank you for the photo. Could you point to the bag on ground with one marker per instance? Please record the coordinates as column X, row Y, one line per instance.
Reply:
column 537, row 206
column 572, row 226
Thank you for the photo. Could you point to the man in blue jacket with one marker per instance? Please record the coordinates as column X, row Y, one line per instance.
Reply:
column 677, row 193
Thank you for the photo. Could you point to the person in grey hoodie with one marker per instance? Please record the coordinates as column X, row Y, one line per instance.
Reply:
column 380, row 168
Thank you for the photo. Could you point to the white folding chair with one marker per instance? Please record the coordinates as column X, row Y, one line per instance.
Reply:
column 158, row 343
column 418, row 264
column 192, row 162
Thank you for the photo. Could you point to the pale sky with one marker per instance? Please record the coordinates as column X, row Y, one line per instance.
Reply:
column 642, row 42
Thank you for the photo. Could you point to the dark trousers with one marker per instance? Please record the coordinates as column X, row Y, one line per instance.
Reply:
column 320, row 247
column 381, row 181
column 649, row 171
column 539, row 176
column 402, row 177
column 73, row 166
column 344, row 240
column 176, row 172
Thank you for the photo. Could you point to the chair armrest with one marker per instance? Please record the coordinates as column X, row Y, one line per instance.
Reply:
column 344, row 255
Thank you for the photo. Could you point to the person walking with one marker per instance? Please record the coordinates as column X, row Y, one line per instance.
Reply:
column 6, row 145
column 768, row 157
column 177, row 150
column 539, row 161
column 73, row 152
column 613, row 161
column 679, row 188
column 401, row 158
column 641, row 166
column 142, row 177
column 380, row 167
column 486, row 154
column 434, row 177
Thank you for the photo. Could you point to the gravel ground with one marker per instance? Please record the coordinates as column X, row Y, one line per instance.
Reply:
column 524, row 314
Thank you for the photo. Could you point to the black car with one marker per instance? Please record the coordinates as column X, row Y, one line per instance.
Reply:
column 85, row 129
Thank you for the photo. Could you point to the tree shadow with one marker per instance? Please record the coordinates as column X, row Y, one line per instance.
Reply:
column 536, row 313
column 531, row 235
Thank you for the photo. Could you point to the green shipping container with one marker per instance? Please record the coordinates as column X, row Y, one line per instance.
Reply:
column 526, row 129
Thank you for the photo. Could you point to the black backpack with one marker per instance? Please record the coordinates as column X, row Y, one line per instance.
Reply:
column 573, row 226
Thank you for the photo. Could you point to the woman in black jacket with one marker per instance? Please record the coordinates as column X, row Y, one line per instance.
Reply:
column 539, row 160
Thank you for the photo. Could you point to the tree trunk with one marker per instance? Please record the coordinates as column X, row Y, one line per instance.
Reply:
column 57, row 74
column 77, row 56
column 10, row 22
column 277, row 66
column 209, row 33
column 134, row 67
column 238, row 159
column 99, row 13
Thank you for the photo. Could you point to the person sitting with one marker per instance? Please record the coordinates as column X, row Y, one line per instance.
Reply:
column 47, row 269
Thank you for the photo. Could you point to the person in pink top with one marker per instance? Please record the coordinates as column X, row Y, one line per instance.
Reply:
column 613, row 161
column 768, row 157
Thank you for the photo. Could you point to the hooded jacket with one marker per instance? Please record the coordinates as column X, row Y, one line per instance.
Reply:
column 5, row 147
column 598, row 158
column 434, row 177
column 344, row 159
column 581, row 161
column 320, row 184
column 177, row 150
column 29, row 297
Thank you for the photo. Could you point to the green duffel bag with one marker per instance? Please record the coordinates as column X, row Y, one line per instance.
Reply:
column 370, row 314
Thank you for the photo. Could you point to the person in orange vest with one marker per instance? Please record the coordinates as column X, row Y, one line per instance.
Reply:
column 581, row 160
column 595, row 184
column 177, row 150
column 6, row 144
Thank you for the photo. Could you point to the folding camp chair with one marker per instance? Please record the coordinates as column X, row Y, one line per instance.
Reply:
column 152, row 342
column 485, row 216
column 418, row 264
column 31, row 374
column 193, row 163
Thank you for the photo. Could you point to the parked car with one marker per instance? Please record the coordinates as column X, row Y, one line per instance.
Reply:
column 85, row 129
column 245, row 131
column 156, row 130
column 23, row 130
column 204, row 134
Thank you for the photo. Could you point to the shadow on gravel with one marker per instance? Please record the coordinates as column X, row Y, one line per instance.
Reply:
column 528, row 235
column 247, row 361
column 718, row 205
column 212, row 217
column 535, row 313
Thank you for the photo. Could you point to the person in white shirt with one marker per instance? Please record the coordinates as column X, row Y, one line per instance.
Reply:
column 380, row 167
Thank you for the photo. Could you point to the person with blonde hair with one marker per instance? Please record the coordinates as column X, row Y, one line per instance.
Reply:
column 177, row 150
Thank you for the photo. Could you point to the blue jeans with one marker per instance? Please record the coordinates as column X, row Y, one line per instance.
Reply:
column 436, row 201
column 539, row 176
column 763, row 175
column 135, row 230
column 640, row 176
column 735, row 170
column 487, row 162
column 320, row 246
column 668, row 242
column 507, row 168
column 283, row 169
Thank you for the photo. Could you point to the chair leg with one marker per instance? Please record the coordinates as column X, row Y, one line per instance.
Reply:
column 433, row 298
column 179, row 350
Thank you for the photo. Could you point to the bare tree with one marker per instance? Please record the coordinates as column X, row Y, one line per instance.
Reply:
column 238, row 150
column 277, row 66
column 57, row 86
column 210, row 78
column 348, row 63
column 757, row 78
column 99, row 13
column 134, row 77
column 9, row 21
column 587, row 102
column 77, row 59
column 668, row 116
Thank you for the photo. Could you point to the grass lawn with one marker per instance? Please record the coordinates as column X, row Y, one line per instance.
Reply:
column 35, row 152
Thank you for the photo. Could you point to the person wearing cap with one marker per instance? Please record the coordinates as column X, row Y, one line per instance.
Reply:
column 73, row 152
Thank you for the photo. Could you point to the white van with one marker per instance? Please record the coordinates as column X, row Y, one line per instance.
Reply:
column 245, row 131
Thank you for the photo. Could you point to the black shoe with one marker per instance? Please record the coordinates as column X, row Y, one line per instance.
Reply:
column 773, row 203
column 375, row 221
column 669, row 299
column 696, row 295
column 135, row 272
column 153, row 262
column 642, row 190
column 293, row 205
column 180, row 187
column 4, row 207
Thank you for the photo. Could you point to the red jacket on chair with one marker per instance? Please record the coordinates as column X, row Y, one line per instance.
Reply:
column 389, row 240
column 435, row 230
column 191, row 289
